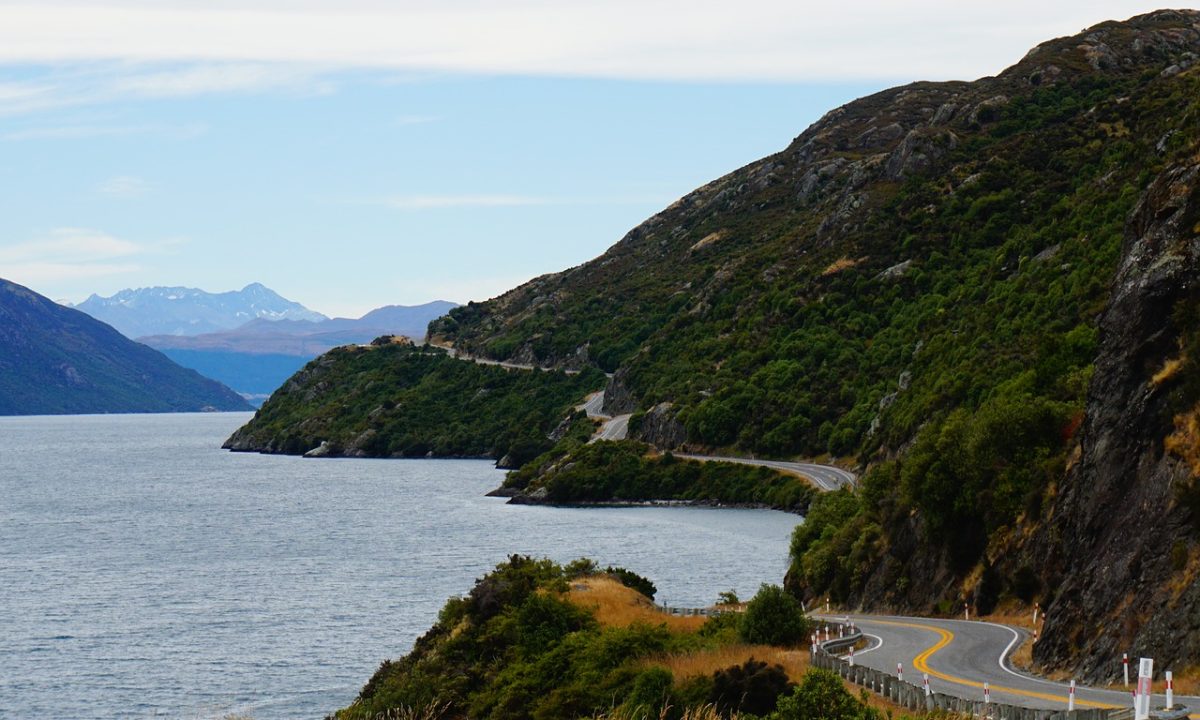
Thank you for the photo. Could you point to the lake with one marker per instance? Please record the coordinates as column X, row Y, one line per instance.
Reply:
column 145, row 572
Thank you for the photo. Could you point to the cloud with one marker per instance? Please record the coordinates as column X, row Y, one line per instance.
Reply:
column 773, row 40
column 69, row 254
column 85, row 132
column 65, row 85
column 124, row 186
column 206, row 79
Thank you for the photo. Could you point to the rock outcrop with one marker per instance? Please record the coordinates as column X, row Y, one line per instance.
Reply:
column 1118, row 551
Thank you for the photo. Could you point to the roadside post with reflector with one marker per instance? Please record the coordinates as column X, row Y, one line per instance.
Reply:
column 1145, row 673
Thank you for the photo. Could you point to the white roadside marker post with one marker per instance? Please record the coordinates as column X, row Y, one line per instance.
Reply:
column 928, row 692
column 1036, row 607
column 966, row 611
column 851, row 656
column 826, row 604
column 1145, row 673
column 1170, row 691
column 814, row 643
column 1071, row 697
column 987, row 695
column 900, row 672
column 1125, row 665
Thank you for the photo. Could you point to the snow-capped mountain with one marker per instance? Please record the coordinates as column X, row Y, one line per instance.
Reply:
column 189, row 311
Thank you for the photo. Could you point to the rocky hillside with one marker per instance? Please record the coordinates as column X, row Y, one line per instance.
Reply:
column 981, row 292
column 54, row 360
column 919, row 280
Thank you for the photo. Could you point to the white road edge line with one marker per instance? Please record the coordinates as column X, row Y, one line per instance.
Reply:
column 878, row 643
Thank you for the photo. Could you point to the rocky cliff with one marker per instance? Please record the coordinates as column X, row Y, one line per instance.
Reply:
column 1118, row 549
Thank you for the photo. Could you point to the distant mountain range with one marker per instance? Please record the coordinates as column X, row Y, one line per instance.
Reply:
column 259, row 356
column 251, row 339
column 189, row 311
column 56, row 360
column 308, row 338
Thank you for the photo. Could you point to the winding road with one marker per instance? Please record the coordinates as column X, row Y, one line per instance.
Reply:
column 616, row 427
column 824, row 477
column 961, row 655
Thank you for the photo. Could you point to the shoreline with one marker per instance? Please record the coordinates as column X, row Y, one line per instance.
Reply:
column 517, row 499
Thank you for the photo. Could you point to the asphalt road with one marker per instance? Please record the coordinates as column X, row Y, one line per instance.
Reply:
column 825, row 477
column 615, row 428
column 961, row 655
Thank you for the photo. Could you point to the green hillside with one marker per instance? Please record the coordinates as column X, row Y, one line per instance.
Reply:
column 980, row 293
column 915, row 282
column 396, row 400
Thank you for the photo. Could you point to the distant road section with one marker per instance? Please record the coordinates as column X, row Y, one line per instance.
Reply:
column 615, row 428
column 824, row 477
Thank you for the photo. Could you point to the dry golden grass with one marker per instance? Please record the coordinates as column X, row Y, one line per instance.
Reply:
column 703, row 712
column 1184, row 441
column 843, row 263
column 615, row 605
column 708, row 239
column 707, row 662
column 1169, row 370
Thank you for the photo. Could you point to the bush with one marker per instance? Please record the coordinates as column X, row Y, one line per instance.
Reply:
column 773, row 617
column 821, row 696
column 630, row 579
column 752, row 687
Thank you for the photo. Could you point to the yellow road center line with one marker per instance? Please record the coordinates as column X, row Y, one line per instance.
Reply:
column 921, row 663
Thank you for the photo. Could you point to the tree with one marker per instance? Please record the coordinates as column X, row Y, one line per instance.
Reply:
column 821, row 696
column 773, row 617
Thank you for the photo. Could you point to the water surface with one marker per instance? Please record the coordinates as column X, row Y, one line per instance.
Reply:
column 145, row 573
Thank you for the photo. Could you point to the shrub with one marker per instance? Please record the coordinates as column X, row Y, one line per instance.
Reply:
column 773, row 617
column 630, row 579
column 752, row 687
column 821, row 696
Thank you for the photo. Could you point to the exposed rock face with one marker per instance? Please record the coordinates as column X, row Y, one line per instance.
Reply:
column 1106, row 550
column 618, row 398
column 660, row 427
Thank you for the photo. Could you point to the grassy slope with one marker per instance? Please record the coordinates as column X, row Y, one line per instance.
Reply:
column 535, row 640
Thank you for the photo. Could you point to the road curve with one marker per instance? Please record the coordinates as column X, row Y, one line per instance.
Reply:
column 824, row 477
column 961, row 655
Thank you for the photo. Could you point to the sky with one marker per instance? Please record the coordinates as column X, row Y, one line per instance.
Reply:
column 351, row 154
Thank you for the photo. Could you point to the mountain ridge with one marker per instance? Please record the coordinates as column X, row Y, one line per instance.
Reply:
column 167, row 310
column 57, row 360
